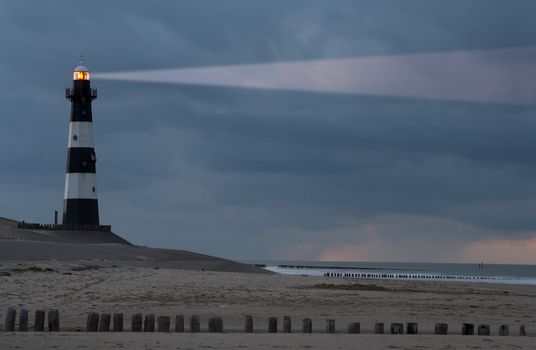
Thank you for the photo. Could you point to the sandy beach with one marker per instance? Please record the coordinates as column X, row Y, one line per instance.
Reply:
column 75, row 288
column 145, row 341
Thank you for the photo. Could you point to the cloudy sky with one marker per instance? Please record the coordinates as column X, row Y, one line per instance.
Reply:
column 250, row 173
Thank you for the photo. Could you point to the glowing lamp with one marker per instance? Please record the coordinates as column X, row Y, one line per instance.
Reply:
column 80, row 75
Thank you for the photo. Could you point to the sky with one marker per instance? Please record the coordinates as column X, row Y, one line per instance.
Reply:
column 243, row 172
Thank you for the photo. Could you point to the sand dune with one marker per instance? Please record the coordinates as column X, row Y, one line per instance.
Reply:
column 23, row 244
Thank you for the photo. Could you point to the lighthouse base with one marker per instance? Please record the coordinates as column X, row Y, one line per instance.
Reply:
column 80, row 212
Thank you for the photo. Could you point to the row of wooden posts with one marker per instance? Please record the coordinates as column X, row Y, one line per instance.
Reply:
column 39, row 320
column 106, row 322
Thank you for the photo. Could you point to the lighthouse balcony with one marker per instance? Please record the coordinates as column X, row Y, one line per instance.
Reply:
column 69, row 93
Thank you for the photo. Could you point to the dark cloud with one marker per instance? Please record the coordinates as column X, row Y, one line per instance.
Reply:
column 254, row 174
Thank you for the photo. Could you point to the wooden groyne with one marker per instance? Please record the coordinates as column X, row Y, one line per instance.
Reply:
column 413, row 276
column 113, row 322
column 357, row 272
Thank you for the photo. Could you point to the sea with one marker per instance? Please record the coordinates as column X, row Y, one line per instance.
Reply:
column 447, row 272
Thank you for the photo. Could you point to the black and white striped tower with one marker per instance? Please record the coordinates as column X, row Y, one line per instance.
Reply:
column 80, row 205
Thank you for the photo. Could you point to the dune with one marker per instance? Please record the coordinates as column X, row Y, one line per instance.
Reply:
column 24, row 244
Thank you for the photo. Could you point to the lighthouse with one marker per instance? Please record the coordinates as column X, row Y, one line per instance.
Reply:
column 80, row 206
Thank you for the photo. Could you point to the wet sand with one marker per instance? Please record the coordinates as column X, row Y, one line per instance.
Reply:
column 137, row 341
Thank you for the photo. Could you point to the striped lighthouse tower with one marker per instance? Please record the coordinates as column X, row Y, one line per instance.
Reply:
column 80, row 205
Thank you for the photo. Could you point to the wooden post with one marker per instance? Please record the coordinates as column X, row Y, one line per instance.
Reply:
column 412, row 328
column 104, row 322
column 136, row 322
column 163, row 324
column 307, row 325
column 179, row 323
column 504, row 330
column 522, row 331
column 354, row 328
column 397, row 328
column 330, row 325
column 53, row 320
column 219, row 324
column 272, row 325
column 117, row 322
column 379, row 328
column 483, row 329
column 215, row 325
column 148, row 323
column 441, row 328
column 23, row 320
column 287, row 324
column 468, row 329
column 195, row 327
column 92, row 322
column 212, row 324
column 248, row 324
column 9, row 325
column 39, row 321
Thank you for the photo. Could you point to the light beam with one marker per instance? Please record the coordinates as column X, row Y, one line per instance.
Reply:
column 497, row 75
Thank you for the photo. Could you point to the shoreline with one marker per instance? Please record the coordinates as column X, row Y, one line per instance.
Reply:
column 427, row 272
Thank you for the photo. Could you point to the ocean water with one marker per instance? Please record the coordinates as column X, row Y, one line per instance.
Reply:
column 485, row 273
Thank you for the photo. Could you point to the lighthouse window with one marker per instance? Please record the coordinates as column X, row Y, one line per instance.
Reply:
column 93, row 189
column 81, row 75
column 75, row 137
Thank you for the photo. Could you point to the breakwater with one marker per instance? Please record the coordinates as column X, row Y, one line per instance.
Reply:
column 150, row 322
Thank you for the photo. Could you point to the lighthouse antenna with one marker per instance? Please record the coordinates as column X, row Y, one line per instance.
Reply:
column 82, row 60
